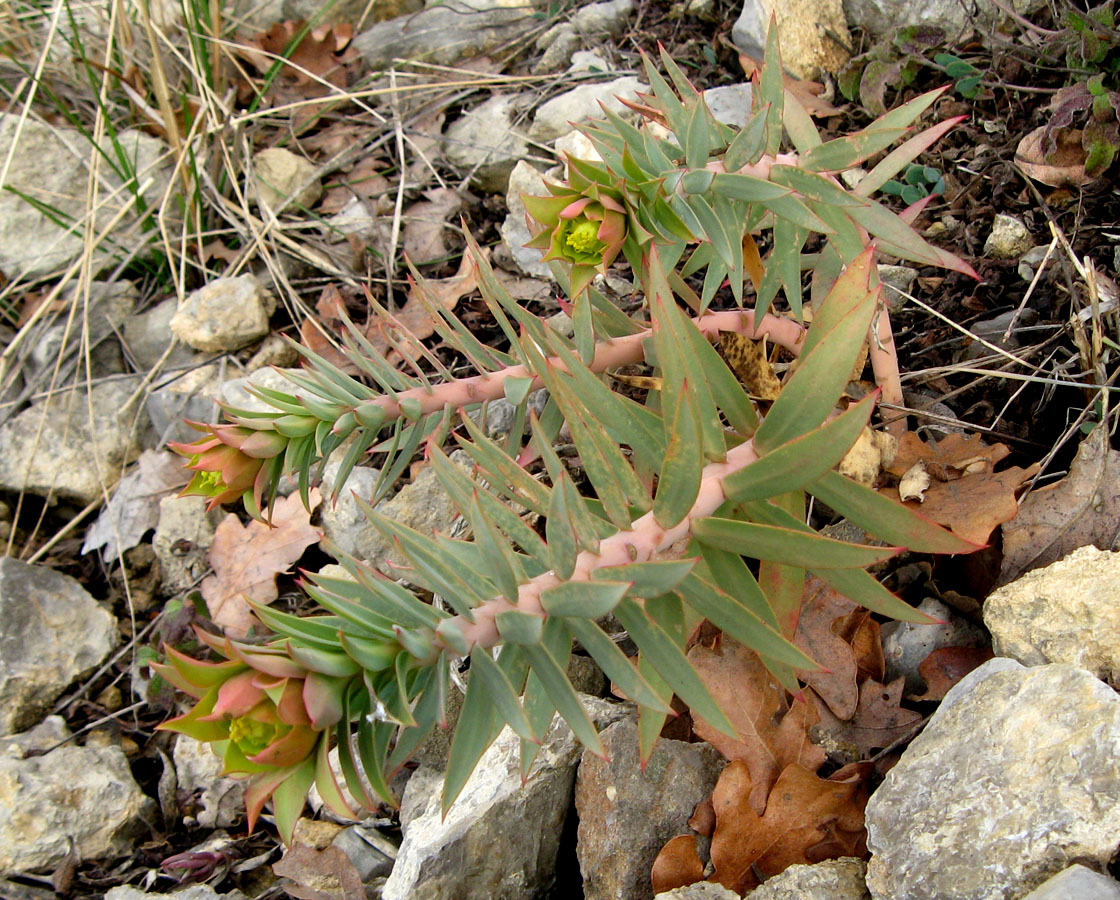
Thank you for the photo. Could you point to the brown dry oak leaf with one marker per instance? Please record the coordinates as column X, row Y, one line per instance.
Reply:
column 1081, row 509
column 677, row 864
column 247, row 559
column 319, row 60
column 945, row 666
column 836, row 683
column 424, row 238
column 951, row 457
column 320, row 874
column 773, row 732
column 807, row 819
column 877, row 723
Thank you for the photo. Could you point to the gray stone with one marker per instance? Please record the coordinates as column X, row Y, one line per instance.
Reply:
column 53, row 633
column 730, row 104
column 1009, row 238
column 557, row 116
column 198, row 768
column 500, row 838
column 182, row 542
column 184, row 395
column 343, row 522
column 83, row 797
column 803, row 27
column 906, row 644
column 589, row 61
column 43, row 737
column 524, row 179
column 235, row 391
column 357, row 218
column 597, row 19
column 897, row 280
column 627, row 812
column 447, row 33
column 487, row 142
column 883, row 17
column 148, row 335
column 186, row 892
column 1066, row 612
column 369, row 850
column 1016, row 773
column 701, row 890
column 50, row 166
column 833, row 879
column 284, row 180
column 1076, row 883
column 558, row 44
column 108, row 309
column 225, row 314
column 53, row 448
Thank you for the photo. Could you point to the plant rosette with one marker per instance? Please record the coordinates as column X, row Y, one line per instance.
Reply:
column 267, row 717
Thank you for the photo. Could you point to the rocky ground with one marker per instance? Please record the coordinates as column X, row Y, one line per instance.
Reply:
column 987, row 777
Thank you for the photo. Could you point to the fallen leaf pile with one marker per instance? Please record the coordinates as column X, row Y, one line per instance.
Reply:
column 317, row 59
column 954, row 483
column 326, row 874
column 247, row 559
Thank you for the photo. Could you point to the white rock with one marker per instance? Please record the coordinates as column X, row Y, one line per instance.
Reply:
column 355, row 217
column 51, row 166
column 558, row 44
column 588, row 61
column 803, row 27
column 730, row 104
column 84, row 795
column 51, row 633
column 883, row 17
column 701, row 890
column 184, row 395
column 1016, row 773
column 199, row 768
column 40, row 739
column 182, row 542
column 234, row 392
column 577, row 144
column 487, row 141
column 833, row 879
column 1066, row 612
column 280, row 174
column 147, row 336
column 225, row 314
column 1009, row 239
column 1076, row 883
column 109, row 308
column 473, row 851
column 53, row 447
column 557, row 116
column 524, row 179
column 187, row 892
column 603, row 18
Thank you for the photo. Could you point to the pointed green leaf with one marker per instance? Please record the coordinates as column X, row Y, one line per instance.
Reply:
column 475, row 731
column 519, row 627
column 569, row 527
column 502, row 693
column 583, row 599
column 647, row 579
column 749, row 144
column 679, row 481
column 555, row 682
column 787, row 546
column 615, row 664
column 799, row 125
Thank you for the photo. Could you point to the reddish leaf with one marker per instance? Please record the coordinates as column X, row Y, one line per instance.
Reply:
column 320, row 874
column 806, row 819
column 247, row 559
column 773, row 733
column 878, row 721
column 951, row 457
column 943, row 668
column 677, row 864
column 837, row 685
column 807, row 92
column 862, row 633
column 703, row 818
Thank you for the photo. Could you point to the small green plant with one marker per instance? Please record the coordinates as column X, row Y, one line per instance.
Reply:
column 917, row 182
column 692, row 501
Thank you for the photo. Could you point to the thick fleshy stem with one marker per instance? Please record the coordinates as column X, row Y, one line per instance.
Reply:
column 643, row 541
column 609, row 354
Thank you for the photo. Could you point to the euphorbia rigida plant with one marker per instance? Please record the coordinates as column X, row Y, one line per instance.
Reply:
column 690, row 503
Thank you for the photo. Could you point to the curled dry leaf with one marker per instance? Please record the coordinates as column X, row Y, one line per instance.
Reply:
column 773, row 732
column 1064, row 167
column 677, row 864
column 317, row 62
column 913, row 485
column 944, row 667
column 247, row 559
column 1083, row 508
column 320, row 874
column 837, row 682
column 878, row 721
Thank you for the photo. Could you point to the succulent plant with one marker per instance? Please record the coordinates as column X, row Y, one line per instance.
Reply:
column 691, row 505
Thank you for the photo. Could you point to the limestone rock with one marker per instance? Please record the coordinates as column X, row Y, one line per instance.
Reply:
column 184, row 395
column 107, row 309
column 187, row 892
column 447, row 33
column 147, row 336
column 500, row 838
column 896, row 281
column 608, row 18
column 221, row 799
column 626, row 814
column 803, row 27
column 524, row 179
column 1065, row 612
column 907, row 644
column 730, row 104
column 558, row 44
column 280, row 174
column 51, row 633
column 53, row 447
column 1009, row 239
column 701, row 890
column 883, row 17
column 557, row 116
column 225, row 314
column 182, row 542
column 81, row 794
column 51, row 166
column 369, row 850
column 1016, row 773
column 235, row 391
column 833, row 879
column 1076, row 883
column 485, row 141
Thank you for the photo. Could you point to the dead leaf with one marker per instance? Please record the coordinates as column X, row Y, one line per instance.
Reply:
column 1083, row 508
column 861, row 632
column 134, row 507
column 913, row 485
column 837, row 684
column 364, row 182
column 677, row 865
column 247, row 559
column 944, row 667
column 323, row 54
column 424, row 237
column 773, row 733
column 749, row 363
column 320, row 874
column 864, row 461
column 1066, row 165
column 965, row 494
column 807, row 92
column 703, row 818
column 878, row 721
column 806, row 820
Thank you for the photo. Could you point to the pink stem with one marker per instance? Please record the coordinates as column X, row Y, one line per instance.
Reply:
column 642, row 542
column 884, row 363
